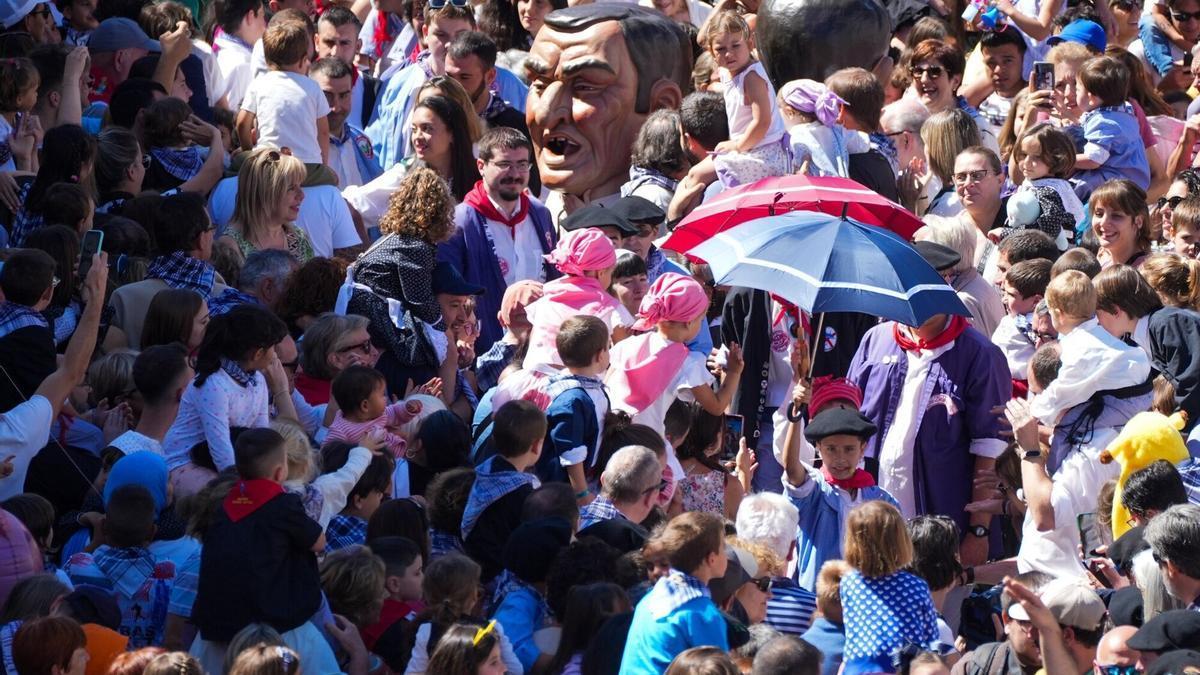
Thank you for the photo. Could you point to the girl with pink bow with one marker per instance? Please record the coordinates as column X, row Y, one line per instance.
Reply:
column 648, row 371
column 819, row 145
column 586, row 258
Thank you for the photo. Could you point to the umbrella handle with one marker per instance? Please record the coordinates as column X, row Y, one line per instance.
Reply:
column 793, row 415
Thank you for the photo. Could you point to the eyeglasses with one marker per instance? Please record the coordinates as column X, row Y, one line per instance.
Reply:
column 897, row 133
column 1180, row 17
column 291, row 365
column 521, row 167
column 762, row 583
column 1045, row 337
column 934, row 72
column 662, row 485
column 44, row 12
column 438, row 4
column 365, row 347
column 968, row 177
column 1170, row 201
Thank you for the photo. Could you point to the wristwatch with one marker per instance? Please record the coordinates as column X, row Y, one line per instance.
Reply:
column 978, row 531
column 1030, row 455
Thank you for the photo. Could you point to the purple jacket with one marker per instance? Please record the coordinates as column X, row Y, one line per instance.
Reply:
column 470, row 250
column 963, row 386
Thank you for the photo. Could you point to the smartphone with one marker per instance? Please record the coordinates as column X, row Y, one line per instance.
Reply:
column 93, row 242
column 1043, row 76
column 1091, row 535
column 732, row 438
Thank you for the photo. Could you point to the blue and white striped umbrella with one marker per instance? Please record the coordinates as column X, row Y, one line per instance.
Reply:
column 825, row 263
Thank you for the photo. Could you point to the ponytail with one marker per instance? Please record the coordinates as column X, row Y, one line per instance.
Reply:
column 65, row 151
column 1193, row 283
column 234, row 336
column 1176, row 279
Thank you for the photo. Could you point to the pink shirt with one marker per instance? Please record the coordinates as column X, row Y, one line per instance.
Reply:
column 392, row 418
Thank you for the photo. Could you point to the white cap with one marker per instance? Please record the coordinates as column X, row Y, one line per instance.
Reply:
column 1072, row 603
column 12, row 11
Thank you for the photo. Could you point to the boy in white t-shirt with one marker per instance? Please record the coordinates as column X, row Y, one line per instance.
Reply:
column 283, row 108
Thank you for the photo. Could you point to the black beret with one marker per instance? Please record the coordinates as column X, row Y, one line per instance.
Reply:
column 939, row 257
column 594, row 215
column 639, row 210
column 1173, row 663
column 1176, row 629
column 834, row 421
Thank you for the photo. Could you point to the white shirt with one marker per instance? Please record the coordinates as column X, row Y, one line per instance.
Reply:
column 207, row 413
column 1092, row 360
column 131, row 441
column 324, row 216
column 518, row 249
column 233, row 60
column 343, row 159
column 1076, row 490
column 693, row 373
column 24, row 431
column 286, row 108
column 6, row 131
column 779, row 373
column 1017, row 348
column 896, row 473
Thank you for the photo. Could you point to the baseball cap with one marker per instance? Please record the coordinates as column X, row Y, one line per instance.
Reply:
column 1071, row 602
column 1176, row 629
column 1086, row 32
column 740, row 569
column 12, row 11
column 447, row 279
column 120, row 33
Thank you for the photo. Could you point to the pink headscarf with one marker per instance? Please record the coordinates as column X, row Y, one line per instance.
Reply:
column 672, row 297
column 583, row 251
column 814, row 98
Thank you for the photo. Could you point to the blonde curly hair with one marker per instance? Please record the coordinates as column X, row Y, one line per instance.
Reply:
column 421, row 207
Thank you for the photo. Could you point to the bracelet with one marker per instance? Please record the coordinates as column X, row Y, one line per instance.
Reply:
column 582, row 493
column 968, row 576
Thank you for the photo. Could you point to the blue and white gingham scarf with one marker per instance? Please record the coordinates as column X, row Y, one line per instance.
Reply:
column 673, row 591
column 243, row 378
column 489, row 488
column 14, row 317
column 600, row 510
column 180, row 270
column 182, row 163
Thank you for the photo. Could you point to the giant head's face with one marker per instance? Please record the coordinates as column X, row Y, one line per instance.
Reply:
column 814, row 38
column 596, row 72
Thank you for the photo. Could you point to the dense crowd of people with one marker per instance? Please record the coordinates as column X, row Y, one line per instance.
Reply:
column 347, row 337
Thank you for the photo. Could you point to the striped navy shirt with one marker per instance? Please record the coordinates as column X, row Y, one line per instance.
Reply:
column 790, row 609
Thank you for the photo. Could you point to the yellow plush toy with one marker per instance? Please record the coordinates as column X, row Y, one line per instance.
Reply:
column 1147, row 438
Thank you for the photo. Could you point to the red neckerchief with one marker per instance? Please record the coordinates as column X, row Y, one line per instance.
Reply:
column 393, row 611
column 248, row 496
column 786, row 309
column 954, row 328
column 478, row 199
column 858, row 480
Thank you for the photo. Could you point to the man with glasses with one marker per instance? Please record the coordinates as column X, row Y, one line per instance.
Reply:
column 502, row 233
column 1079, row 612
column 629, row 489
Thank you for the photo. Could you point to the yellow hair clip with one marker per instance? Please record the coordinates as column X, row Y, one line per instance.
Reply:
column 482, row 632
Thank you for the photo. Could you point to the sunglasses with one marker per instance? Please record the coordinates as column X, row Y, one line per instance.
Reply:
column 1116, row 670
column 438, row 4
column 1181, row 17
column 1170, row 201
column 762, row 583
column 934, row 72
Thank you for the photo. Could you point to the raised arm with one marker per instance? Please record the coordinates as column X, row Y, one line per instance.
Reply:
column 57, row 387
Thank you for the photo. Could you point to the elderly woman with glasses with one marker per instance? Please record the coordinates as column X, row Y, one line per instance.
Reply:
column 331, row 344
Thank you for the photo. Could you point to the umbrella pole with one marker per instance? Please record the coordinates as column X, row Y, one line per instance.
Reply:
column 792, row 414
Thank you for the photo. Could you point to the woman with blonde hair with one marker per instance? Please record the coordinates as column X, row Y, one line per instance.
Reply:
column 945, row 135
column 392, row 282
column 1176, row 279
column 267, row 205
